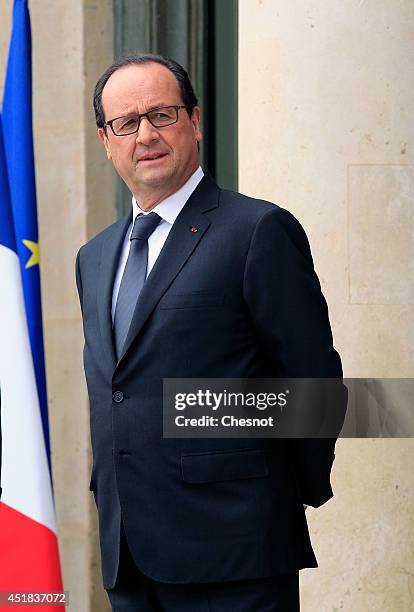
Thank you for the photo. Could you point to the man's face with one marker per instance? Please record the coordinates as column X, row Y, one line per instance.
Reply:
column 154, row 160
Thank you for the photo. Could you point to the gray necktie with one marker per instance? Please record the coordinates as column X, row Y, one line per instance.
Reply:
column 134, row 276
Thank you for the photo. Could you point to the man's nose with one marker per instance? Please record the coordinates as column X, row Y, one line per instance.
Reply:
column 146, row 132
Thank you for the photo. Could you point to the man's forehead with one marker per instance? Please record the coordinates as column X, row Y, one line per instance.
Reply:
column 140, row 81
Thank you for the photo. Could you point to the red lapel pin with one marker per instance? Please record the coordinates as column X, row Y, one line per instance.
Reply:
column 193, row 229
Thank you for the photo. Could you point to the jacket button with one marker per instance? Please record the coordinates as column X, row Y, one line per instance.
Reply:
column 118, row 397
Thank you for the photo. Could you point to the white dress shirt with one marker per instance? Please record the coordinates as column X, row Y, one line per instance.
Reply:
column 168, row 210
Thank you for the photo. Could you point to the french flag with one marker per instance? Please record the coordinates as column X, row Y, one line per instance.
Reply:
column 29, row 556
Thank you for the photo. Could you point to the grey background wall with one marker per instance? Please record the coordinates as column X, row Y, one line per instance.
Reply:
column 325, row 98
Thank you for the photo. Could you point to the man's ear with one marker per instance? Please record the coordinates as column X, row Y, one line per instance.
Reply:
column 104, row 138
column 195, row 120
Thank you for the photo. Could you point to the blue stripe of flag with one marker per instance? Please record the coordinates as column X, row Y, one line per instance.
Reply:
column 7, row 235
column 18, row 141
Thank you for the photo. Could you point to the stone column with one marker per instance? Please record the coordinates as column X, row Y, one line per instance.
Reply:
column 326, row 131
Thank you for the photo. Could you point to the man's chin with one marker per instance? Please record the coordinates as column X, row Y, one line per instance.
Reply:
column 155, row 178
column 149, row 169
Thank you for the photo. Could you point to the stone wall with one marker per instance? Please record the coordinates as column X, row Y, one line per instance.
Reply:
column 325, row 130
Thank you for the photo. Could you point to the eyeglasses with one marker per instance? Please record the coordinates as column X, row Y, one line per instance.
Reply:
column 158, row 117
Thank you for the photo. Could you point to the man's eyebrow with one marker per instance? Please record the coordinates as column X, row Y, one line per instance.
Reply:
column 151, row 108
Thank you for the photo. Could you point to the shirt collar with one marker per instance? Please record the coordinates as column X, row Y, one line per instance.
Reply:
column 170, row 208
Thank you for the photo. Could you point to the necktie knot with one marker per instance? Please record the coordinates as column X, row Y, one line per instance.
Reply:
column 144, row 225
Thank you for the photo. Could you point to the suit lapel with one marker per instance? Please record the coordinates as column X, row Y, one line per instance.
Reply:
column 111, row 251
column 180, row 244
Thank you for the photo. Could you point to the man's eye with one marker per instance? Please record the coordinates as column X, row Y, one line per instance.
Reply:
column 161, row 115
column 128, row 123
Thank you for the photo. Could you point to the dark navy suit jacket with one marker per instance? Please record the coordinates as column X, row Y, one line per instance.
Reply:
column 237, row 298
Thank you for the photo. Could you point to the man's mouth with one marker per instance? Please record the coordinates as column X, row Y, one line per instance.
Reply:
column 150, row 157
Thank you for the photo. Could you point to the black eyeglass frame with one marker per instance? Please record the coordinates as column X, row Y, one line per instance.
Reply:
column 140, row 116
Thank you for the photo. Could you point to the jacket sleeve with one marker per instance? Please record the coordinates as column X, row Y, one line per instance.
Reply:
column 290, row 316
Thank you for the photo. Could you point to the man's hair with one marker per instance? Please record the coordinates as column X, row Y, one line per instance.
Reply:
column 186, row 89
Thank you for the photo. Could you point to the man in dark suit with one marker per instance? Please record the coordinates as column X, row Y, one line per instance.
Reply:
column 196, row 282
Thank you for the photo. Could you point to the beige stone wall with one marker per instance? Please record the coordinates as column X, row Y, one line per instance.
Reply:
column 72, row 45
column 326, row 98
